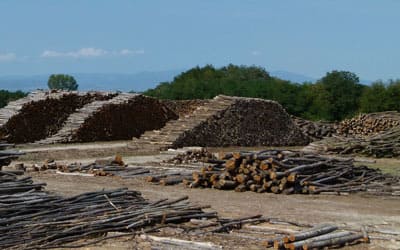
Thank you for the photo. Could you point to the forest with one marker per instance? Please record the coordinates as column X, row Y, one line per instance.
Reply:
column 336, row 96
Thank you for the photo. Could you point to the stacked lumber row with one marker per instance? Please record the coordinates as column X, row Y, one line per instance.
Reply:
column 42, row 114
column 289, row 172
column 120, row 118
column 314, row 130
column 318, row 237
column 11, row 184
column 228, row 121
column 385, row 144
column 192, row 156
column 184, row 107
column 369, row 124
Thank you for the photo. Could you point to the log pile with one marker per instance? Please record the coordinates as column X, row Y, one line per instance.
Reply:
column 314, row 130
column 289, row 172
column 120, row 118
column 227, row 121
column 365, row 125
column 382, row 145
column 318, row 237
column 42, row 114
column 247, row 122
column 192, row 156
column 184, row 107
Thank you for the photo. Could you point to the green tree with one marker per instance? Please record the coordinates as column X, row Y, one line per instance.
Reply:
column 61, row 81
column 373, row 98
column 338, row 95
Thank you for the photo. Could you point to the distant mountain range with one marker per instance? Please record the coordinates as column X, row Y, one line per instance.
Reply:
column 123, row 82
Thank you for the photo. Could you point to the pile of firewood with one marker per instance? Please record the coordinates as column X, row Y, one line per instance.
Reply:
column 385, row 144
column 124, row 120
column 368, row 124
column 184, row 107
column 314, row 130
column 41, row 118
column 245, row 122
column 288, row 172
column 192, row 156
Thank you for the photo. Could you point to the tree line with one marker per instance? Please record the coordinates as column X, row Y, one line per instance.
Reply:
column 337, row 95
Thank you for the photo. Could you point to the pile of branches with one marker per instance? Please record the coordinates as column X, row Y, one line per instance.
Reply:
column 192, row 156
column 36, row 220
column 314, row 130
column 289, row 172
column 318, row 237
column 39, row 119
column 365, row 125
column 385, row 144
column 184, row 107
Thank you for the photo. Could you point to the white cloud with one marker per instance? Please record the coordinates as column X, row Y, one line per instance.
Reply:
column 255, row 53
column 125, row 52
column 7, row 57
column 84, row 52
column 90, row 52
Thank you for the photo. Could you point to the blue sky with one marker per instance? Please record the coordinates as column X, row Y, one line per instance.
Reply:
column 309, row 37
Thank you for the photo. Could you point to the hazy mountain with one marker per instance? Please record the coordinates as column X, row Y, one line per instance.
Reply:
column 93, row 81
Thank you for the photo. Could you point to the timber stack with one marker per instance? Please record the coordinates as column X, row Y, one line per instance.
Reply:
column 122, row 117
column 290, row 172
column 315, row 130
column 365, row 125
column 383, row 145
column 228, row 121
column 42, row 113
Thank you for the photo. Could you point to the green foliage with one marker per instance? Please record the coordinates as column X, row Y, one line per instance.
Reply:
column 381, row 97
column 336, row 96
column 7, row 96
column 61, row 81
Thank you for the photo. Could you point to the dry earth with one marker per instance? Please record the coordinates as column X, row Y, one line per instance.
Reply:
column 353, row 211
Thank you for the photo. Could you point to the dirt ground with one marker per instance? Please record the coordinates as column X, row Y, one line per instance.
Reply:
column 352, row 211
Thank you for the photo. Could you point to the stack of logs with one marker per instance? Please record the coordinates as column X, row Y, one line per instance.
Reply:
column 385, row 144
column 318, row 237
column 314, row 130
column 288, row 172
column 368, row 124
column 41, row 118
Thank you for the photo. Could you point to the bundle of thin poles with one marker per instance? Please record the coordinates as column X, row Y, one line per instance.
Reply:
column 32, row 220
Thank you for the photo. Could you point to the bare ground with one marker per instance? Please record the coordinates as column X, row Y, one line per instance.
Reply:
column 353, row 211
